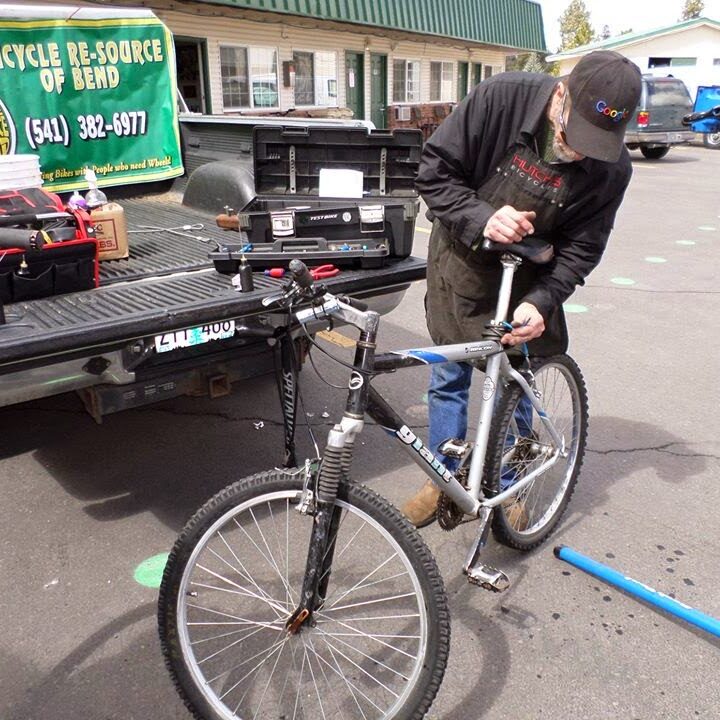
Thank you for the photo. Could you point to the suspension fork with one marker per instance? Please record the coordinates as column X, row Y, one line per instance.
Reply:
column 334, row 469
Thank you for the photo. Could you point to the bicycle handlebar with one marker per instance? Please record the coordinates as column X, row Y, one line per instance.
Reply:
column 713, row 112
column 302, row 286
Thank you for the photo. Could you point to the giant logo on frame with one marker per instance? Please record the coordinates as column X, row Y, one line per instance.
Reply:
column 7, row 131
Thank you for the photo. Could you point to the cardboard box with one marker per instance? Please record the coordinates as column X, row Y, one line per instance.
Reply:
column 111, row 231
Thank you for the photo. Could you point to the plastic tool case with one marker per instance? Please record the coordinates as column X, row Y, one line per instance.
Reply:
column 289, row 219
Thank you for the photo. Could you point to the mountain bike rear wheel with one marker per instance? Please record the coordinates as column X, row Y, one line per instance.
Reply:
column 376, row 649
column 520, row 443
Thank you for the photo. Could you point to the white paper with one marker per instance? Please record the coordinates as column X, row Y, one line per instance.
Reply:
column 341, row 183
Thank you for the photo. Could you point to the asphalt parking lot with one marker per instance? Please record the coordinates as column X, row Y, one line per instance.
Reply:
column 85, row 508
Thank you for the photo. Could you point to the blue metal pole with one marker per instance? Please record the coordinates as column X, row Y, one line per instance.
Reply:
column 613, row 577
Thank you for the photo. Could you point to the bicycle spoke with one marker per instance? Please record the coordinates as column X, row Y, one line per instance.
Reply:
column 271, row 562
column 268, row 652
column 281, row 611
column 232, row 644
column 370, row 657
column 314, row 681
column 330, row 688
column 229, row 615
column 358, row 585
column 355, row 687
column 243, row 572
column 363, row 671
column 378, row 617
column 372, row 637
column 348, row 684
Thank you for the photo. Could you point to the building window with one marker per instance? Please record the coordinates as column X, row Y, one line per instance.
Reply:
column 249, row 77
column 406, row 81
column 488, row 71
column 441, row 80
column 660, row 62
column 315, row 78
column 716, row 61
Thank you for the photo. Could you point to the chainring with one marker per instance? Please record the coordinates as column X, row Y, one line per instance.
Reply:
column 449, row 515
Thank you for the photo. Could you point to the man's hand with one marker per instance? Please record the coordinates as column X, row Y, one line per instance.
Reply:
column 528, row 324
column 508, row 225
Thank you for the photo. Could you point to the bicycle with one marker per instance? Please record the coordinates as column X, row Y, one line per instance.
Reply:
column 295, row 593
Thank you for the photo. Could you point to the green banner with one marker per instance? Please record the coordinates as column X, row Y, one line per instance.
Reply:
column 97, row 93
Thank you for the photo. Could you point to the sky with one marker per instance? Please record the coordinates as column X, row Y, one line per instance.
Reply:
column 620, row 15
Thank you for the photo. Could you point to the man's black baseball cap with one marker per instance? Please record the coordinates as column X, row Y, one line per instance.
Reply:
column 604, row 90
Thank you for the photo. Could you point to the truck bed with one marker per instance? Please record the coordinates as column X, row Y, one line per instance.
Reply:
column 168, row 283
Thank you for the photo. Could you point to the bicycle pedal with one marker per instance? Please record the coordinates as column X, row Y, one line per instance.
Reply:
column 489, row 578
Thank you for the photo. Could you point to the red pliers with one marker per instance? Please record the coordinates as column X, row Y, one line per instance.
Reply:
column 323, row 271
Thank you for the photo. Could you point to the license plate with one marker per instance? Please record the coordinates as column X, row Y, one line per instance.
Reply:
column 194, row 336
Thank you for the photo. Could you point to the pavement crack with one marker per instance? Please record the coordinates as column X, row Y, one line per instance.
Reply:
column 665, row 448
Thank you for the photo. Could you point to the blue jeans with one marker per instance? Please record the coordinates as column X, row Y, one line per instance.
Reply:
column 447, row 409
column 447, row 406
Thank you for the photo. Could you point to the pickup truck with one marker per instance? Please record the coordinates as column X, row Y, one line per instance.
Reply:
column 128, row 342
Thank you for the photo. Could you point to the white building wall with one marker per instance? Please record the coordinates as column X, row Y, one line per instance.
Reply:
column 701, row 42
column 285, row 39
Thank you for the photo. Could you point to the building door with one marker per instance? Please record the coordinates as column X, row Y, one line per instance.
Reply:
column 355, row 83
column 190, row 56
column 462, row 80
column 378, row 90
column 477, row 73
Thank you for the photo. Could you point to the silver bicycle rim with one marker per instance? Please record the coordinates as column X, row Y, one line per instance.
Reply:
column 540, row 500
column 353, row 664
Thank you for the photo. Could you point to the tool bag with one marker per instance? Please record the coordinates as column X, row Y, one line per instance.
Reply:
column 45, row 248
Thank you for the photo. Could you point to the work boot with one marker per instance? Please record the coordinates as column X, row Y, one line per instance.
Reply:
column 516, row 514
column 421, row 509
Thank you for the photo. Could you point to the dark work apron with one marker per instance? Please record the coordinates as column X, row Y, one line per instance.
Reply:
column 463, row 285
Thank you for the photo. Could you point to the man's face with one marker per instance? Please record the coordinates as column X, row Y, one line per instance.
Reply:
column 559, row 113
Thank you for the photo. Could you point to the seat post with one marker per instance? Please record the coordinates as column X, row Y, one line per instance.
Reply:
column 510, row 263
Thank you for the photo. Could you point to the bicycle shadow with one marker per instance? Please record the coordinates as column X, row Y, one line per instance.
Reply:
column 618, row 447
column 140, row 686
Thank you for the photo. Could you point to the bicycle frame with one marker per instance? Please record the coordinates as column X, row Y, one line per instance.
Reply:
column 364, row 399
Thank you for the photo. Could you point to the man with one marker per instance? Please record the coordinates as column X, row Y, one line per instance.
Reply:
column 523, row 154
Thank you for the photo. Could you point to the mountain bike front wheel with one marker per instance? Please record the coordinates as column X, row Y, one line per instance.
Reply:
column 377, row 648
column 520, row 443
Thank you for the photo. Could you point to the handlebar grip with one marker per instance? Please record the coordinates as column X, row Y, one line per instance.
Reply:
column 301, row 274
column 713, row 112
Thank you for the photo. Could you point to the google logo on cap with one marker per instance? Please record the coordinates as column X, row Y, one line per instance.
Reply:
column 612, row 113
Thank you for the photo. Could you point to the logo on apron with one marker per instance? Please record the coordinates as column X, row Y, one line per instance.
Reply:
column 531, row 172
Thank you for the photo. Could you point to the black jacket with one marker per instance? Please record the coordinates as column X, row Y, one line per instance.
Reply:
column 464, row 151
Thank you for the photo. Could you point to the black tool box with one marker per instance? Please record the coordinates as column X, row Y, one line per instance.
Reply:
column 288, row 219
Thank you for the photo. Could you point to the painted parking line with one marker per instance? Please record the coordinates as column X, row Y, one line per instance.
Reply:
column 622, row 281
column 655, row 259
column 423, row 230
column 685, row 242
column 149, row 572
column 574, row 308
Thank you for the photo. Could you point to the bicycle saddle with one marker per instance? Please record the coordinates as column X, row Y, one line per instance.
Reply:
column 534, row 249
